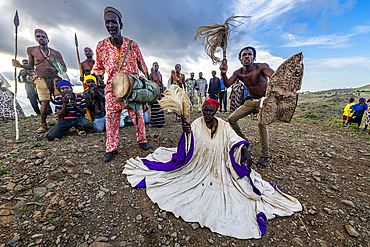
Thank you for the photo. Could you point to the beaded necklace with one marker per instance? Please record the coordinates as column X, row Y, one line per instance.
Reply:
column 43, row 54
column 89, row 63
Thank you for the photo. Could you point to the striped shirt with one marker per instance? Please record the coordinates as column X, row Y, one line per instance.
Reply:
column 71, row 112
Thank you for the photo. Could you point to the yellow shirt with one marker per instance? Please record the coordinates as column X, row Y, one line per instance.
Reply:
column 347, row 111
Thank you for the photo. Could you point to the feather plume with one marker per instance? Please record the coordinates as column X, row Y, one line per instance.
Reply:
column 216, row 35
column 176, row 100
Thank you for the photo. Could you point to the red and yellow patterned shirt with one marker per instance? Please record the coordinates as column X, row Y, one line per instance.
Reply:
column 109, row 59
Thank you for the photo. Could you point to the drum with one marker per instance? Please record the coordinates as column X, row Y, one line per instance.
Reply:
column 134, row 88
column 122, row 85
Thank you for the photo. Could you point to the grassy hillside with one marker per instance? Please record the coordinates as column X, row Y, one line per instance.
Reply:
column 327, row 106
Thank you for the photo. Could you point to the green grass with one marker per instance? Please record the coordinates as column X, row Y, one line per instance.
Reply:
column 4, row 170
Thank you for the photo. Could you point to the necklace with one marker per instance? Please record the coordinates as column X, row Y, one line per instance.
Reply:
column 89, row 63
column 43, row 54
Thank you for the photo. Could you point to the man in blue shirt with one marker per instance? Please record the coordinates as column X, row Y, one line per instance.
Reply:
column 70, row 109
column 223, row 97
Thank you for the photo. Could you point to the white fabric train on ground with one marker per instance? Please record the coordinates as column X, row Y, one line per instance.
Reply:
column 207, row 187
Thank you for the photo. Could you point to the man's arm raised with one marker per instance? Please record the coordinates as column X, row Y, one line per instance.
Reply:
column 227, row 81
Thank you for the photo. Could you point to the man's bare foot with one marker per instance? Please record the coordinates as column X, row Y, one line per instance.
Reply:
column 43, row 128
column 262, row 163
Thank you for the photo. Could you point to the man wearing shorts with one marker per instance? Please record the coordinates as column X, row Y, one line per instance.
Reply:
column 42, row 57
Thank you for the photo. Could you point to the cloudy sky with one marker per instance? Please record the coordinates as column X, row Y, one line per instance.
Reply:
column 333, row 34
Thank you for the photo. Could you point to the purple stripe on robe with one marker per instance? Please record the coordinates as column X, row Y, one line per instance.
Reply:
column 141, row 184
column 261, row 220
column 178, row 159
column 241, row 169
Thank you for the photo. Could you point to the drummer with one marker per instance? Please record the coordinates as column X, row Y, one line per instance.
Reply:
column 109, row 56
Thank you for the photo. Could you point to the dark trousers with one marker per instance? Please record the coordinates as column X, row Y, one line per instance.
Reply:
column 223, row 99
column 63, row 125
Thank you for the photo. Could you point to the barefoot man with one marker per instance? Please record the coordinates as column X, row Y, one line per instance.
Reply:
column 254, row 76
column 43, row 58
column 88, row 64
column 156, row 113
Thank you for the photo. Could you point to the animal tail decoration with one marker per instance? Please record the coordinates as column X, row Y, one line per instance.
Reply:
column 216, row 35
column 176, row 100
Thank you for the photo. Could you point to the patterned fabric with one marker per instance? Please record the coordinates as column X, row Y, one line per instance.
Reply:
column 71, row 112
column 213, row 103
column 109, row 59
column 156, row 115
column 114, row 107
column 367, row 116
column 190, row 88
column 7, row 105
column 236, row 96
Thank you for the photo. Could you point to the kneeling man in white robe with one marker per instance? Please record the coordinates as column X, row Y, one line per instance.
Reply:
column 205, row 180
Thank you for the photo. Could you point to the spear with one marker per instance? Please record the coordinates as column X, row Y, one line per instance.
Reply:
column 81, row 75
column 16, row 24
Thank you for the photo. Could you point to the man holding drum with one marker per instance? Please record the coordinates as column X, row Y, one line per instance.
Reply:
column 109, row 56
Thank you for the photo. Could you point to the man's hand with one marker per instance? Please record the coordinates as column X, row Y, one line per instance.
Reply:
column 66, row 100
column 223, row 66
column 92, row 92
column 73, row 104
column 50, row 69
column 185, row 125
column 247, row 157
column 16, row 63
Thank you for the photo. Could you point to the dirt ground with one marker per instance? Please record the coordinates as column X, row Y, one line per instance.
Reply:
column 62, row 194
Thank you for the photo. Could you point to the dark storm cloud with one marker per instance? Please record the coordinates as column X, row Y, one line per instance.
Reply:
column 163, row 29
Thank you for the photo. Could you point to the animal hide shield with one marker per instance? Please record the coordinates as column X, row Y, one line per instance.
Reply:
column 281, row 95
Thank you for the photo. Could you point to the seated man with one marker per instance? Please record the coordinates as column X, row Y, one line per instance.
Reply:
column 95, row 102
column 205, row 180
column 70, row 109
column 358, row 111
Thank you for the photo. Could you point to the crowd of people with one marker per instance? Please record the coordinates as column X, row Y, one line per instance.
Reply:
column 354, row 113
column 216, row 166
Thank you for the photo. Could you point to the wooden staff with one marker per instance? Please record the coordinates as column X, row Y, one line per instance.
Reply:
column 16, row 24
column 88, row 113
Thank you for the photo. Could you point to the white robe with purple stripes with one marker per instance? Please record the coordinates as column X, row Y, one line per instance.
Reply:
column 202, row 181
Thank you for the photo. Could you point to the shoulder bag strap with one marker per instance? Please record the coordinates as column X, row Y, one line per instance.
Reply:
column 124, row 58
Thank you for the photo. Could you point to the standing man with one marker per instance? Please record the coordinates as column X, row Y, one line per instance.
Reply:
column 45, row 60
column 254, row 76
column 156, row 113
column 26, row 77
column 223, row 97
column 190, row 85
column 109, row 56
column 201, row 87
column 178, row 78
column 88, row 64
column 214, row 88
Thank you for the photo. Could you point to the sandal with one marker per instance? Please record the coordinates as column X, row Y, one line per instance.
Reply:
column 81, row 132
column 43, row 128
column 262, row 163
